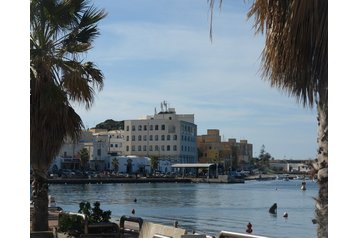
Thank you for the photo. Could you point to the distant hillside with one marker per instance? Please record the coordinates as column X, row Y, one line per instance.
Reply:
column 110, row 125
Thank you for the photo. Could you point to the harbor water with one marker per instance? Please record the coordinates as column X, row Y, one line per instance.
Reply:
column 203, row 207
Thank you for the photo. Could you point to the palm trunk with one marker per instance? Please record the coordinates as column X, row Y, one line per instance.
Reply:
column 39, row 217
column 321, row 167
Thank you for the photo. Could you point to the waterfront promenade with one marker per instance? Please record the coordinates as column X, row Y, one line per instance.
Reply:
column 104, row 180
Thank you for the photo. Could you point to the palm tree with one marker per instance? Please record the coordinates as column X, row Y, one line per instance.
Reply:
column 115, row 164
column 154, row 163
column 61, row 30
column 84, row 158
column 295, row 59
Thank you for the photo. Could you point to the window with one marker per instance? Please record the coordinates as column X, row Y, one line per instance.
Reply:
column 139, row 127
column 150, row 148
column 133, row 138
column 111, row 145
column 133, row 147
column 139, row 148
column 127, row 148
column 133, row 128
column 163, row 137
column 163, row 148
column 168, row 147
column 171, row 129
column 174, row 147
column 145, row 127
column 139, row 138
column 151, row 137
column 116, row 145
column 145, row 137
column 168, row 137
column 163, row 127
column 127, row 128
column 156, row 127
column 175, row 137
column 156, row 137
column 144, row 148
column 156, row 148
column 127, row 138
column 151, row 127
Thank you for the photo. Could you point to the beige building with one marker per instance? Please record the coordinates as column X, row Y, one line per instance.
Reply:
column 229, row 153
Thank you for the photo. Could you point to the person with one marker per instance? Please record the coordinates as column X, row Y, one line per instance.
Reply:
column 273, row 209
column 249, row 228
column 133, row 211
column 303, row 187
column 285, row 214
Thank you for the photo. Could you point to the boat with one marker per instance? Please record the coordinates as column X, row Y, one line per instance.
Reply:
column 283, row 177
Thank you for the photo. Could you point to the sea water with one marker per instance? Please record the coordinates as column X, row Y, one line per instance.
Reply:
column 204, row 207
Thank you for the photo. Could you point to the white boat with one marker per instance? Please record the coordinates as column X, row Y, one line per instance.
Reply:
column 283, row 177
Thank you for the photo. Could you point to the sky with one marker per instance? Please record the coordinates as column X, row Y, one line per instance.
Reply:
column 155, row 50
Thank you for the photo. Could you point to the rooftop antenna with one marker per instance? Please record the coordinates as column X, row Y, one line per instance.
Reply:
column 161, row 106
column 155, row 110
column 165, row 105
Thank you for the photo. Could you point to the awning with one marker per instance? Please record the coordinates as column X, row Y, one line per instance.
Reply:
column 192, row 165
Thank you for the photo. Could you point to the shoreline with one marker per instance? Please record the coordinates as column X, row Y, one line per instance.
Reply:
column 102, row 180
column 116, row 180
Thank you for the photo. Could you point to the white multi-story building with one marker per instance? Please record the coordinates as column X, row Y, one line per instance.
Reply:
column 165, row 135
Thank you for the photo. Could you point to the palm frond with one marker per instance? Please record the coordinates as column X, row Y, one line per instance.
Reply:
column 296, row 49
column 61, row 30
column 211, row 7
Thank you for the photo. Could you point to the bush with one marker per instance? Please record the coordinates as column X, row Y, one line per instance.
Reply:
column 73, row 225
column 95, row 214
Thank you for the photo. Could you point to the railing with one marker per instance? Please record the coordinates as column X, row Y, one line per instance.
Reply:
column 161, row 236
column 130, row 219
column 229, row 234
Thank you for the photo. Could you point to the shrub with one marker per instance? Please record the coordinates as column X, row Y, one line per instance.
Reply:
column 73, row 225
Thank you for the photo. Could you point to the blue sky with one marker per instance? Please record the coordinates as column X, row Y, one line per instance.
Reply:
column 155, row 50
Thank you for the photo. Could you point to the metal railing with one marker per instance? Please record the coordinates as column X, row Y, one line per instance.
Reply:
column 161, row 236
column 229, row 234
column 130, row 219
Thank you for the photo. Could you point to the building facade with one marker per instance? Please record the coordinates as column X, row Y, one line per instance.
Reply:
column 231, row 154
column 165, row 135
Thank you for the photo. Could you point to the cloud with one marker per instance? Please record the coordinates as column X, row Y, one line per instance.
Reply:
column 164, row 53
